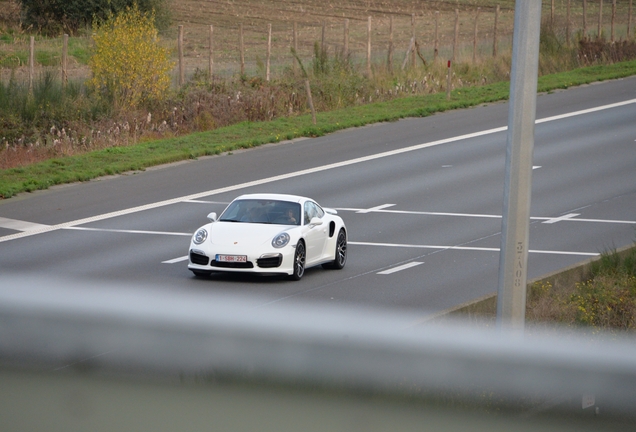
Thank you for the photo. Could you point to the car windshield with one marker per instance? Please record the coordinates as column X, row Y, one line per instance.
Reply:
column 262, row 211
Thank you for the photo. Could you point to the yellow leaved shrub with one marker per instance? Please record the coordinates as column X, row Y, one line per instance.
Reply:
column 128, row 65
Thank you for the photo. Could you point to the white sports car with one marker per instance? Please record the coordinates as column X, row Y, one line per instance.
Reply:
column 269, row 233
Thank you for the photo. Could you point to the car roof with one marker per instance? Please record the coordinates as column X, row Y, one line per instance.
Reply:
column 275, row 197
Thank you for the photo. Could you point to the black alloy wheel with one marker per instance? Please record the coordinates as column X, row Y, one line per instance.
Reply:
column 299, row 261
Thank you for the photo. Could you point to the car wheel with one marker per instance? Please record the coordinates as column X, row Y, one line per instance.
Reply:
column 299, row 261
column 200, row 273
column 340, row 254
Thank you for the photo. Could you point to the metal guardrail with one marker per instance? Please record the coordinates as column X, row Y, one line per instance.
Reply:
column 81, row 356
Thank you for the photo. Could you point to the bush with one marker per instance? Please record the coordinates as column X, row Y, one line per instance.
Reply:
column 606, row 300
column 56, row 16
column 129, row 67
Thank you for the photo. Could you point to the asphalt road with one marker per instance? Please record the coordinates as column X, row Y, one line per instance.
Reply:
column 422, row 200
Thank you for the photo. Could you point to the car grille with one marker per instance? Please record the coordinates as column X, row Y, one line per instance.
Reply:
column 270, row 262
column 196, row 258
column 236, row 265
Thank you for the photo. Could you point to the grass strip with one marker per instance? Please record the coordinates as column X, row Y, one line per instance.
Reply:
column 117, row 160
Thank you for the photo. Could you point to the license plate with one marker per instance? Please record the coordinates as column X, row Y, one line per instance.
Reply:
column 231, row 258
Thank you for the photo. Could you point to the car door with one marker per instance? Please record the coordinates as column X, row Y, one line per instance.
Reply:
column 315, row 235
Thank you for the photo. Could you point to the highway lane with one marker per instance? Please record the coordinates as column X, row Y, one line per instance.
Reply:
column 424, row 221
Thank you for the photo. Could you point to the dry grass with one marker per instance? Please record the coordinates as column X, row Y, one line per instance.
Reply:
column 309, row 16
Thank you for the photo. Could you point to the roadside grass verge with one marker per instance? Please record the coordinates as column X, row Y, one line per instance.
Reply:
column 117, row 160
column 605, row 298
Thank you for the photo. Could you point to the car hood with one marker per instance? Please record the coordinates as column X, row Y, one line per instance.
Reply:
column 242, row 234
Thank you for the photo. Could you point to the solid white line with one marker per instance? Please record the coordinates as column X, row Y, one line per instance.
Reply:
column 204, row 202
column 585, row 111
column 467, row 248
column 175, row 260
column 477, row 215
column 294, row 174
column 400, row 268
column 129, row 231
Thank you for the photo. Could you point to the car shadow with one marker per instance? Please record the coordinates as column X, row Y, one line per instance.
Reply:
column 251, row 278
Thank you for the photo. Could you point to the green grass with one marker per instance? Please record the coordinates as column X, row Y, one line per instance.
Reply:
column 48, row 52
column 246, row 135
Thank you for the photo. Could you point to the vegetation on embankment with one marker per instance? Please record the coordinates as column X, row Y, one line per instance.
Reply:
column 114, row 160
column 603, row 298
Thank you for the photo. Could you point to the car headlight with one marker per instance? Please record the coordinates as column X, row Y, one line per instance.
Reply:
column 200, row 236
column 280, row 240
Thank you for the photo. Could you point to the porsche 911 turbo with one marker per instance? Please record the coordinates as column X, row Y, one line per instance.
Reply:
column 269, row 234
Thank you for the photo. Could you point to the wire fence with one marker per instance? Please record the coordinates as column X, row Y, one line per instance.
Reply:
column 382, row 41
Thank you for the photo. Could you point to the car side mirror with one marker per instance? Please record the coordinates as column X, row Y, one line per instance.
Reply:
column 212, row 217
column 315, row 221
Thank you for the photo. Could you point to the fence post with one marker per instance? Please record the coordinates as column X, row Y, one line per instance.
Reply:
column 413, row 36
column 390, row 55
column 629, row 20
column 295, row 43
column 584, row 19
column 322, row 39
column 211, row 57
column 494, row 42
column 269, row 49
column 310, row 101
column 600, row 19
column 242, row 49
column 180, row 49
column 345, row 50
column 408, row 52
column 448, row 80
column 31, row 63
column 455, row 39
column 567, row 24
column 436, row 43
column 552, row 13
column 475, row 37
column 612, row 37
column 369, row 46
column 65, row 60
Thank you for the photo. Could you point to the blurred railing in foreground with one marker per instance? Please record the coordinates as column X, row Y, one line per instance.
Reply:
column 84, row 356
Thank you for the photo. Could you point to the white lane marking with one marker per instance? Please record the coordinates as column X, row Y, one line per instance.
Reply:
column 561, row 218
column 536, row 167
column 477, row 215
column 372, row 209
column 468, row 248
column 585, row 111
column 204, row 202
column 129, row 231
column 400, row 268
column 175, row 260
column 421, row 213
column 293, row 174
column 19, row 225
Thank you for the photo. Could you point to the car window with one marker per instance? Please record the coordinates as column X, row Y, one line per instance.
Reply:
column 262, row 211
column 312, row 210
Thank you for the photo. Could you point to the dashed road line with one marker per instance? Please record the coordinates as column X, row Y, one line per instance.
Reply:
column 400, row 268
column 175, row 260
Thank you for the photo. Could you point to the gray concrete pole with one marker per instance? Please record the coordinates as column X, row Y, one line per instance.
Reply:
column 511, row 291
